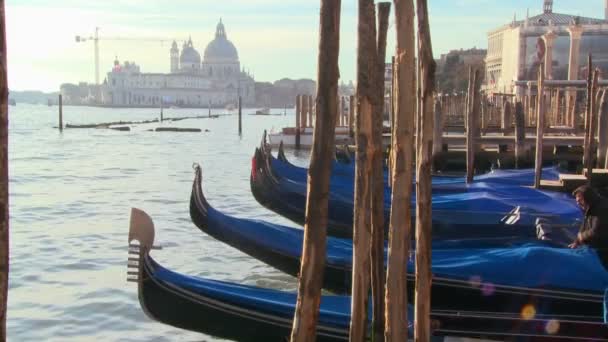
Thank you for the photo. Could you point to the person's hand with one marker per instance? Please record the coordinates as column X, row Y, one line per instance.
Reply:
column 574, row 244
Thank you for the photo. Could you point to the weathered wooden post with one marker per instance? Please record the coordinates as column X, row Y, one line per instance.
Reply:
column 366, row 72
column 505, row 117
column 505, row 122
column 592, row 121
column 556, row 108
column 298, row 114
column 424, row 149
column 311, row 110
column 437, row 129
column 161, row 111
column 306, row 107
column 340, row 110
column 402, row 153
column 377, row 178
column 209, row 108
column 530, row 110
column 351, row 116
column 540, row 126
column 589, row 104
column 240, row 117
column 60, row 112
column 520, row 135
column 4, row 217
column 321, row 160
column 602, row 131
column 471, row 123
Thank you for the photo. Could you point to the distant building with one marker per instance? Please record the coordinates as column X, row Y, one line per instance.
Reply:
column 217, row 80
column 78, row 94
column 561, row 41
column 282, row 93
column 468, row 57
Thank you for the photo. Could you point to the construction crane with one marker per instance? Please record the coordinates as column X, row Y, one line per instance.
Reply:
column 96, row 38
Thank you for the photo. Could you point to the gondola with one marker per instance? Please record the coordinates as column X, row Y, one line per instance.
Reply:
column 482, row 275
column 247, row 313
column 459, row 209
column 523, row 177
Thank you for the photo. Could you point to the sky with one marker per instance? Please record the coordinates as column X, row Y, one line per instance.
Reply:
column 274, row 38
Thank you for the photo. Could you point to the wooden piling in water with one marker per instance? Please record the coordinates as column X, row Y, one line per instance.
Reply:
column 60, row 102
column 540, row 126
column 471, row 122
column 377, row 178
column 602, row 133
column 321, row 161
column 351, row 116
column 366, row 71
column 305, row 109
column 4, row 170
column 520, row 135
column 424, row 149
column 505, row 122
column 340, row 110
column 298, row 114
column 591, row 123
column 240, row 117
column 311, row 110
column 402, row 152
column 437, row 129
column 161, row 111
column 505, row 117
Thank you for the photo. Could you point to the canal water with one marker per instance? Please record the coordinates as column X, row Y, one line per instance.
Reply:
column 70, row 199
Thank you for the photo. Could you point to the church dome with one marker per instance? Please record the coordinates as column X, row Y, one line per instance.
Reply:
column 221, row 48
column 189, row 54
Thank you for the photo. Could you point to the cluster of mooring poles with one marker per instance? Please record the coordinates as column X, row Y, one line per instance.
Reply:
column 305, row 114
column 389, row 296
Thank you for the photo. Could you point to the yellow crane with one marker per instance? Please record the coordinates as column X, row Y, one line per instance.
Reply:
column 96, row 38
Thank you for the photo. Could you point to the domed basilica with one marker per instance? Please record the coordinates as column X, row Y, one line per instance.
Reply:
column 217, row 80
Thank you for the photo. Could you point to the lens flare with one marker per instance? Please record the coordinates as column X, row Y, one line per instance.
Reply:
column 487, row 289
column 552, row 327
column 475, row 281
column 528, row 312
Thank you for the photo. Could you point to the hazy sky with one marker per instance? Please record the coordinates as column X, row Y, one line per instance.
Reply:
column 274, row 38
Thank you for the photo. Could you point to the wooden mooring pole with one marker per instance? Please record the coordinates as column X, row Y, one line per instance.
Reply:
column 161, row 111
column 471, row 120
column 591, row 113
column 4, row 217
column 377, row 179
column 540, row 126
column 321, row 161
column 402, row 152
column 602, row 133
column 366, row 71
column 520, row 135
column 299, row 100
column 351, row 116
column 60, row 102
column 424, row 150
column 240, row 116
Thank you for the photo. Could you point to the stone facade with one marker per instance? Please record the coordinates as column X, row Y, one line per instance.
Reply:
column 561, row 41
column 217, row 80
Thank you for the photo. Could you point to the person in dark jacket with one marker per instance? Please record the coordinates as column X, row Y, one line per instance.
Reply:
column 594, row 230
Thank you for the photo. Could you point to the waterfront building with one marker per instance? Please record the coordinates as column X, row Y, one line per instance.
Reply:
column 561, row 41
column 216, row 80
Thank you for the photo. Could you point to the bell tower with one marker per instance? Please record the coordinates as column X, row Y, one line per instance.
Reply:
column 548, row 6
column 174, row 53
